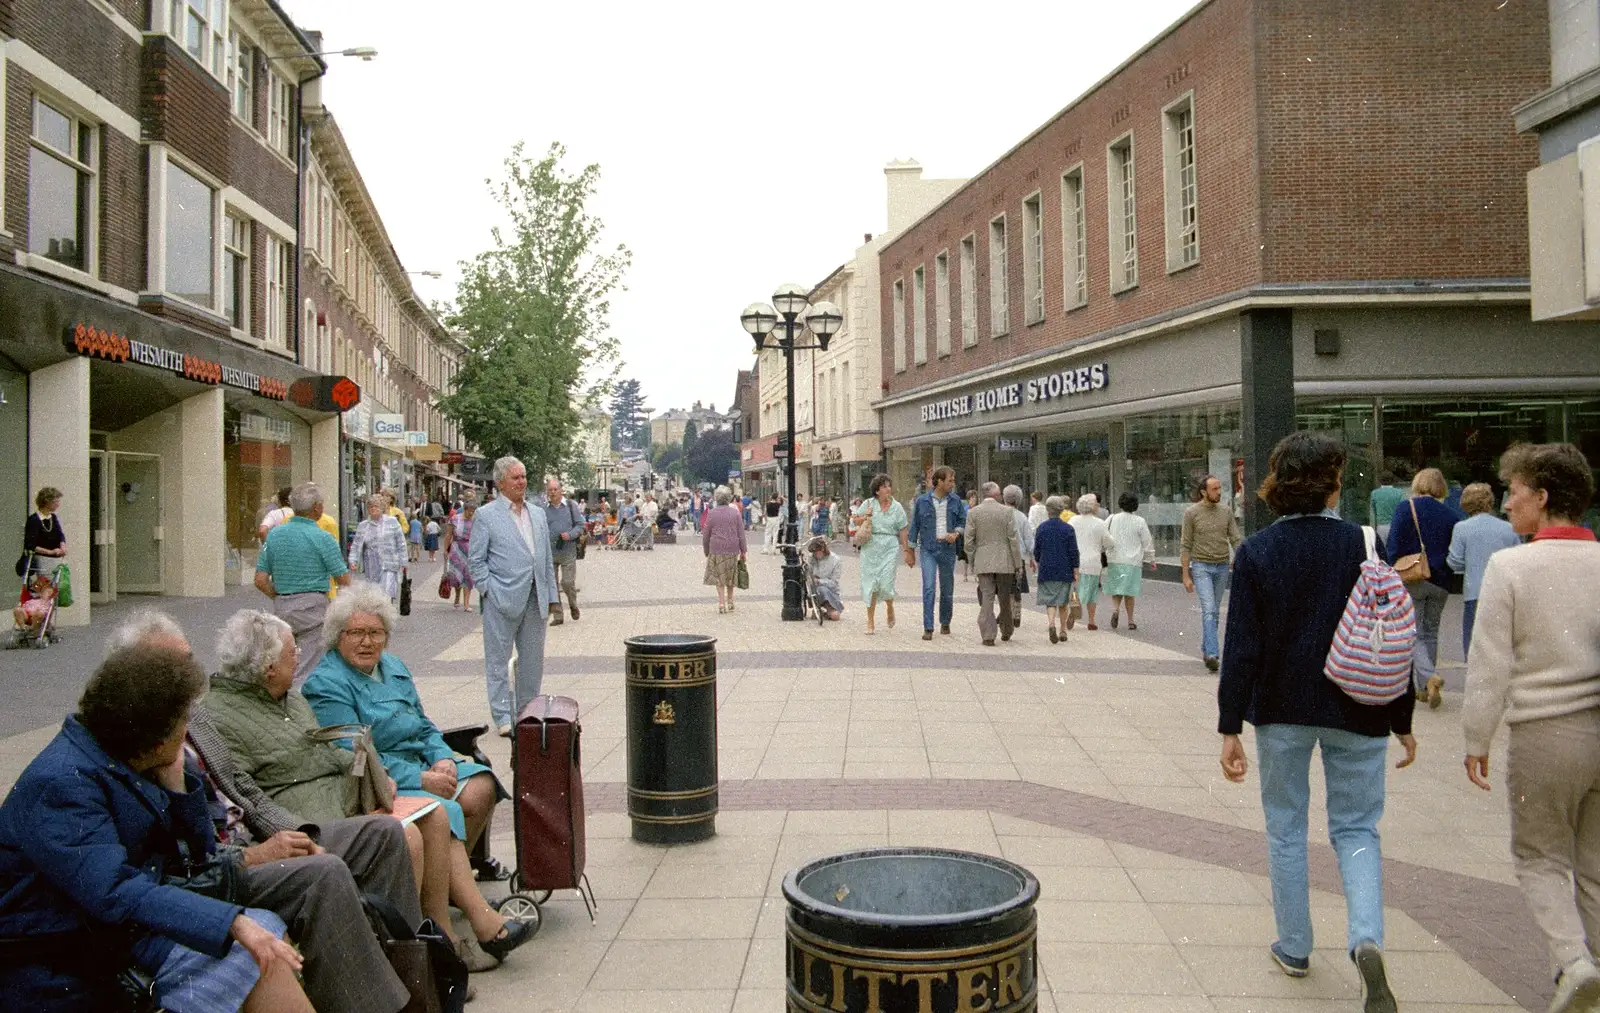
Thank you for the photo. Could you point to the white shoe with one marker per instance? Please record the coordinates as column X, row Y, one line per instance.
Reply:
column 504, row 731
column 1578, row 988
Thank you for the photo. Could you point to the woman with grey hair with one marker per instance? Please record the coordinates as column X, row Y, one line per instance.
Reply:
column 267, row 727
column 358, row 682
column 1094, row 541
column 1055, row 547
column 379, row 548
column 1013, row 498
column 722, row 541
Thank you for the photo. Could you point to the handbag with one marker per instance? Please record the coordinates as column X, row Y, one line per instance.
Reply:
column 423, row 959
column 64, row 587
column 863, row 533
column 216, row 876
column 372, row 780
column 741, row 577
column 1413, row 568
column 22, row 564
column 444, row 585
column 1074, row 606
column 405, row 592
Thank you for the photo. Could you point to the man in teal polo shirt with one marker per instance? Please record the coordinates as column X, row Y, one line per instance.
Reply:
column 296, row 562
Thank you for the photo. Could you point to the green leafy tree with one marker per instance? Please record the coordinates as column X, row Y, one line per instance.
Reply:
column 690, row 434
column 712, row 457
column 533, row 311
column 630, row 418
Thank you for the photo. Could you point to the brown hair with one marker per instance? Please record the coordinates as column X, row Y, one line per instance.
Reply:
column 1302, row 473
column 1559, row 469
column 1429, row 482
column 46, row 496
column 137, row 698
column 943, row 472
column 1477, row 498
column 878, row 482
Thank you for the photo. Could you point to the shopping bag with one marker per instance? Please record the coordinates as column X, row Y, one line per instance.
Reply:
column 741, row 579
column 64, row 591
column 405, row 592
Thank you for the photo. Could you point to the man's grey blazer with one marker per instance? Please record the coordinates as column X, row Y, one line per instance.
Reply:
column 503, row 570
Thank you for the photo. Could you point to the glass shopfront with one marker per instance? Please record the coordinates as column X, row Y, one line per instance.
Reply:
column 1078, row 461
column 16, row 499
column 1011, row 461
column 264, row 449
column 1168, row 456
column 1352, row 423
column 964, row 459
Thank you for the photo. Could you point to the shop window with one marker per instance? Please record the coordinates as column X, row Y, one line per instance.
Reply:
column 1183, row 230
column 1170, row 454
column 1078, row 462
column 1120, row 207
column 999, row 280
column 969, row 292
column 1464, row 439
column 61, row 185
column 1353, row 423
column 1075, row 258
column 1033, row 259
column 236, row 271
column 190, row 236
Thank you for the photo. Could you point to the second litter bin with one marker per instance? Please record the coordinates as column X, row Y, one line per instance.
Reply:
column 672, row 737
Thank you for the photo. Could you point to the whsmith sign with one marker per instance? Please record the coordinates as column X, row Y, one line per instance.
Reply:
column 1066, row 383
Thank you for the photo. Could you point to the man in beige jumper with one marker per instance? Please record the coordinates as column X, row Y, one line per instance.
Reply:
column 996, row 557
column 1535, row 659
column 1205, row 549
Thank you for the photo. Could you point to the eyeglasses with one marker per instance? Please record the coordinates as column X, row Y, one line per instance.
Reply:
column 367, row 634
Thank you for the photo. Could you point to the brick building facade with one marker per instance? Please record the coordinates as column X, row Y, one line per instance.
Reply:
column 1274, row 214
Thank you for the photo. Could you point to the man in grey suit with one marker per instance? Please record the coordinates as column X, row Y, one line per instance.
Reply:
column 996, row 556
column 510, row 560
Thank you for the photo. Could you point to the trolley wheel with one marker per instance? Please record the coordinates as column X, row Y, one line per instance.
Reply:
column 514, row 884
column 520, row 907
column 540, row 896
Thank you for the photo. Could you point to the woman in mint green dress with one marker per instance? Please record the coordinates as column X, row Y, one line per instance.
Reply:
column 881, row 555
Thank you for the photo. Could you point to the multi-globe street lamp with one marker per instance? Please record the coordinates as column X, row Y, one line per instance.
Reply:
column 790, row 314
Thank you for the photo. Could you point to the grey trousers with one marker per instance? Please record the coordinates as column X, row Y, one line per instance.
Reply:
column 1553, row 777
column 526, row 632
column 303, row 612
column 994, row 589
column 1430, row 600
column 567, row 577
column 319, row 899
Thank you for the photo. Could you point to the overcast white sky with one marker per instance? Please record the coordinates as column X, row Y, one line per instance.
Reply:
column 741, row 143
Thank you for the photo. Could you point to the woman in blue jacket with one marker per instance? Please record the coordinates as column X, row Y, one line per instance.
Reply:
column 1424, row 523
column 91, row 837
column 1290, row 584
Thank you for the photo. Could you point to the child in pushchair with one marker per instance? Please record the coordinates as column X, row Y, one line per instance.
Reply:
column 35, row 613
column 633, row 534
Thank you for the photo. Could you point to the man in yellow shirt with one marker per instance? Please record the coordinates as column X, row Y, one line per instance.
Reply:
column 327, row 523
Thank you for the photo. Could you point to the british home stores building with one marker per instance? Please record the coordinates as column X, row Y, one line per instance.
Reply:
column 1220, row 243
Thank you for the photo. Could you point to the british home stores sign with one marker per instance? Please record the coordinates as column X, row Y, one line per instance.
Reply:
column 1050, row 387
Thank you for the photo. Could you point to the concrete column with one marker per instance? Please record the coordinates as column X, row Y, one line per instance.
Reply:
column 325, row 470
column 202, row 524
column 1266, row 373
column 983, row 448
column 58, row 455
column 1041, row 467
column 1117, row 453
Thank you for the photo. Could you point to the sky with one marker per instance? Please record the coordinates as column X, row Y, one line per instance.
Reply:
column 726, row 171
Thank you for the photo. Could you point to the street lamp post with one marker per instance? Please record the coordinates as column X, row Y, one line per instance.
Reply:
column 760, row 320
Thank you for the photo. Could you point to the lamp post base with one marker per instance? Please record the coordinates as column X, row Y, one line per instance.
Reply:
column 793, row 609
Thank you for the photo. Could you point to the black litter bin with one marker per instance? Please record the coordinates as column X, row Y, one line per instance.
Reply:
column 911, row 930
column 672, row 737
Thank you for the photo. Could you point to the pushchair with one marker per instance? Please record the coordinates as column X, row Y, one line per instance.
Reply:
column 633, row 533
column 34, row 618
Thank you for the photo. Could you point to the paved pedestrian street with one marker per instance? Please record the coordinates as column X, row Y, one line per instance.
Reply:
column 1092, row 763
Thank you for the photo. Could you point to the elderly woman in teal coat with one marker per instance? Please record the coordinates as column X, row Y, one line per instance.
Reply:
column 358, row 682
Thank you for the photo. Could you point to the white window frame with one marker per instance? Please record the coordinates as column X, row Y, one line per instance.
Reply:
column 999, row 278
column 919, row 314
column 279, row 272
column 846, row 420
column 969, row 290
column 214, row 54
column 898, row 297
column 1182, row 184
column 238, row 45
column 90, row 198
column 1033, row 258
column 1122, row 203
column 162, row 159
column 1074, row 240
column 280, row 114
column 3, row 132
column 941, row 304
column 245, row 254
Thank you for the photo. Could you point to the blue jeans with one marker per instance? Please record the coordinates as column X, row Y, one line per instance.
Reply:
column 1469, row 615
column 940, row 562
column 1209, row 580
column 1354, row 767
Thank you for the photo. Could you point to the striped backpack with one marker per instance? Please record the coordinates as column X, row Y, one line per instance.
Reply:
column 1370, row 658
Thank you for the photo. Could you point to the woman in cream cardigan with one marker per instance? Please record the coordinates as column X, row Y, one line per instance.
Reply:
column 1535, row 660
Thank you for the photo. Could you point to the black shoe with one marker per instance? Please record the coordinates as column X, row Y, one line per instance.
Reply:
column 1114, row 620
column 512, row 936
column 1005, row 636
column 574, row 613
column 1374, row 983
column 556, row 620
column 989, row 642
column 1053, row 637
column 1211, row 664
column 927, row 634
column 944, row 629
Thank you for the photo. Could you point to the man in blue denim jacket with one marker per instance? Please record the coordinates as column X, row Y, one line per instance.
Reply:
column 937, row 519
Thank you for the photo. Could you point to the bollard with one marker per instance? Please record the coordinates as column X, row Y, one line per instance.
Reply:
column 911, row 930
column 672, row 737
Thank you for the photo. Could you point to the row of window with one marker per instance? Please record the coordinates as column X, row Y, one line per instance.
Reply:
column 1182, row 235
column 202, row 27
column 833, row 400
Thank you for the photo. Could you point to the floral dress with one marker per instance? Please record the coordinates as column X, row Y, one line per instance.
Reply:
column 456, row 566
column 881, row 555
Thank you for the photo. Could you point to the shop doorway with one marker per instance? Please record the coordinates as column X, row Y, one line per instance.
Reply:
column 125, row 521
